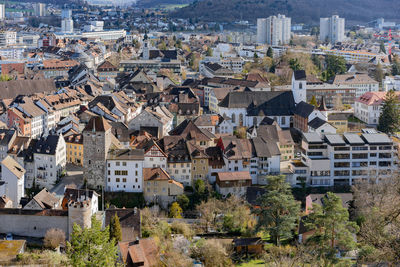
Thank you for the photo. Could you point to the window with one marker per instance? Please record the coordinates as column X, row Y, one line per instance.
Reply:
column 136, row 173
column 123, row 163
column 124, row 180
column 283, row 120
column 117, row 180
column 233, row 118
column 117, row 163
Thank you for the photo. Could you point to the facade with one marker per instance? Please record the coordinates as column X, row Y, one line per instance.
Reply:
column 40, row 9
column 8, row 38
column 96, row 142
column 12, row 180
column 368, row 107
column 334, row 159
column 332, row 29
column 67, row 25
column 159, row 188
column 262, row 31
column 233, row 183
column 49, row 155
column 278, row 30
column 124, row 170
column 362, row 82
column 74, row 146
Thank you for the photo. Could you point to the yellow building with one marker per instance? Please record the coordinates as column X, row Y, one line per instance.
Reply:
column 159, row 188
column 339, row 121
column 74, row 145
column 199, row 162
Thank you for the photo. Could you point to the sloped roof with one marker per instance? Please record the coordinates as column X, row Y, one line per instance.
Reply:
column 45, row 199
column 304, row 109
column 98, row 124
column 233, row 176
column 316, row 123
column 11, row 89
column 13, row 167
column 47, row 145
column 300, row 75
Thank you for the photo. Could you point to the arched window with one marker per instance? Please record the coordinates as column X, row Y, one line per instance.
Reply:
column 283, row 120
column 300, row 85
column 233, row 118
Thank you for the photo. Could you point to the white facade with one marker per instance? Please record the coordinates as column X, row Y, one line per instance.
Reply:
column 339, row 160
column 155, row 158
column 67, row 25
column 12, row 180
column 391, row 83
column 332, row 29
column 66, row 14
column 299, row 89
column 124, row 175
column 278, row 30
column 261, row 31
column 8, row 38
column 2, row 11
column 40, row 9
column 49, row 167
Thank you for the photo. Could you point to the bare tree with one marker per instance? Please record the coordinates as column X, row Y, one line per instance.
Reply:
column 54, row 237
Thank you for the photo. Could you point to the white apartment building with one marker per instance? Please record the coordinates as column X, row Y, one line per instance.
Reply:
column 391, row 83
column 67, row 26
column 334, row 159
column 362, row 82
column 49, row 156
column 125, row 170
column 332, row 29
column 12, row 180
column 40, row 9
column 353, row 56
column 262, row 30
column 180, row 171
column 8, row 38
column 278, row 30
column 367, row 107
column 2, row 11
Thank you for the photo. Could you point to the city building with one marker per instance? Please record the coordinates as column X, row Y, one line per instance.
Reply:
column 12, row 180
column 40, row 9
column 233, row 183
column 74, row 146
column 262, row 30
column 332, row 29
column 362, row 82
column 278, row 30
column 368, row 107
column 8, row 38
column 2, row 11
column 334, row 159
column 124, row 170
column 67, row 25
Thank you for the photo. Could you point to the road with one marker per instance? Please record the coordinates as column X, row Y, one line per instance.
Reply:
column 73, row 177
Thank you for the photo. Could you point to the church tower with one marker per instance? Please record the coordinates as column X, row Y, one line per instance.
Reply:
column 299, row 86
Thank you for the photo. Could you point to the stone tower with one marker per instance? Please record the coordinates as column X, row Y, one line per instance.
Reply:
column 79, row 212
column 96, row 143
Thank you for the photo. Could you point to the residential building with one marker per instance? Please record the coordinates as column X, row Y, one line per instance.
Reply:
column 12, row 180
column 278, row 30
column 107, row 71
column 7, row 138
column 44, row 200
column 2, row 11
column 233, row 183
column 332, row 29
column 124, row 170
column 8, row 38
column 391, row 83
column 199, row 161
column 49, row 155
column 159, row 188
column 334, row 159
column 362, row 82
column 368, row 107
column 67, row 25
column 141, row 252
column 40, row 9
column 262, row 30
column 154, row 157
column 355, row 56
column 74, row 147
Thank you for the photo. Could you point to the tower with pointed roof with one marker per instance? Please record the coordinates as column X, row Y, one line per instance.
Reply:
column 322, row 107
column 299, row 86
column 96, row 143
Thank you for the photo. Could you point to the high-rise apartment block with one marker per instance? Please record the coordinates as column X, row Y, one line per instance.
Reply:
column 332, row 29
column 274, row 30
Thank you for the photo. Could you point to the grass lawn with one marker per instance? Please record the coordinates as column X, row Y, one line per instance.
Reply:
column 252, row 263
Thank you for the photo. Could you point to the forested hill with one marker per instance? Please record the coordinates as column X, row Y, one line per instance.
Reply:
column 301, row 11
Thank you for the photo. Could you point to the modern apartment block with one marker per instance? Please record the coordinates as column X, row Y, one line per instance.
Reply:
column 274, row 30
column 332, row 29
column 334, row 159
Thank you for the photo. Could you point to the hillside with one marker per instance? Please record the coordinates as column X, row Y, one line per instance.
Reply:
column 158, row 3
column 301, row 11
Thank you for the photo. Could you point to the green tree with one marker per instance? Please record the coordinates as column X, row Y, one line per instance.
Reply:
column 175, row 211
column 270, row 52
column 335, row 65
column 295, row 64
column 315, row 31
column 183, row 201
column 332, row 228
column 389, row 120
column 313, row 101
column 200, row 186
column 91, row 246
column 5, row 78
column 115, row 229
column 395, row 65
column 255, row 57
column 209, row 52
column 279, row 210
column 379, row 73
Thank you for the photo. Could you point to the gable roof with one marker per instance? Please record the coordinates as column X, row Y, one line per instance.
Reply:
column 233, row 176
column 47, row 145
column 129, row 220
column 188, row 130
column 316, row 123
column 97, row 124
column 13, row 167
column 143, row 252
column 155, row 174
column 303, row 109
column 45, row 199
column 11, row 89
